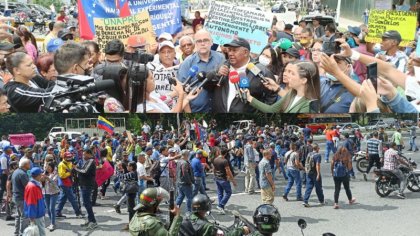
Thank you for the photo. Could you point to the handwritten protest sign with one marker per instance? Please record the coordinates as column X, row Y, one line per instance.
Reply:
column 381, row 21
column 164, row 14
column 108, row 29
column 226, row 22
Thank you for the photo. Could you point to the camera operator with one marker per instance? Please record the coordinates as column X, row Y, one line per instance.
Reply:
column 26, row 90
column 114, row 54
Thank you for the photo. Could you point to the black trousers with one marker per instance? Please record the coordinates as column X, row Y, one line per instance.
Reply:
column 373, row 159
column 3, row 181
column 346, row 183
column 131, row 201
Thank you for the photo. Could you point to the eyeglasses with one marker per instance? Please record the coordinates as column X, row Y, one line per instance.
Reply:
column 202, row 41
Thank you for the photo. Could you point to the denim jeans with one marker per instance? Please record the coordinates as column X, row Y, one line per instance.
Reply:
column 224, row 191
column 257, row 175
column 185, row 191
column 86, row 196
column 311, row 182
column 284, row 172
column 198, row 186
column 293, row 177
column 40, row 222
column 50, row 202
column 413, row 145
column 21, row 222
column 329, row 148
column 67, row 193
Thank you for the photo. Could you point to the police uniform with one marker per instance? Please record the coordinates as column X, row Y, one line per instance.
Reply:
column 148, row 224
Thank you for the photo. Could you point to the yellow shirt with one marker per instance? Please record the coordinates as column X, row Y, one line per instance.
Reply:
column 46, row 40
column 109, row 153
column 64, row 169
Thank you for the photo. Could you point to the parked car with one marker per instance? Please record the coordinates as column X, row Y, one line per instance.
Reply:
column 324, row 20
column 292, row 6
column 408, row 123
column 278, row 8
column 376, row 124
column 350, row 127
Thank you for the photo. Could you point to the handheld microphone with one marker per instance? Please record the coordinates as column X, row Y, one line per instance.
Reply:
column 256, row 71
column 223, row 78
column 243, row 84
column 200, row 77
column 209, row 77
column 234, row 79
column 191, row 74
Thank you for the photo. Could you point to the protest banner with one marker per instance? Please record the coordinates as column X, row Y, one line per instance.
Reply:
column 383, row 4
column 381, row 21
column 108, row 29
column 164, row 14
column 22, row 139
column 162, row 76
column 226, row 22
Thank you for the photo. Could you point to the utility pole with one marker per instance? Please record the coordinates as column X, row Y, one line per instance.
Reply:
column 338, row 11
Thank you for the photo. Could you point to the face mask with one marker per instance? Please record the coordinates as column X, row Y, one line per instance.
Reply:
column 330, row 77
column 264, row 60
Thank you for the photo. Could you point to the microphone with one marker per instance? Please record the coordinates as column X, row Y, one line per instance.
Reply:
column 98, row 86
column 256, row 71
column 223, row 78
column 244, row 84
column 200, row 77
column 209, row 77
column 191, row 73
column 234, row 79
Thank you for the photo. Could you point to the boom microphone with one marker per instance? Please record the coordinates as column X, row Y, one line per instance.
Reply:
column 256, row 71
column 234, row 79
column 191, row 73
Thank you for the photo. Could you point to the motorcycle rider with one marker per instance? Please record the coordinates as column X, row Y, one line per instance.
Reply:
column 267, row 220
column 197, row 223
column 392, row 162
column 145, row 222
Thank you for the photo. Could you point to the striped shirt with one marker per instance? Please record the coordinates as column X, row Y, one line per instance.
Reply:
column 374, row 146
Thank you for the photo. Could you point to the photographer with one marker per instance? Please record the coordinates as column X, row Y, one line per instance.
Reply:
column 114, row 54
column 26, row 90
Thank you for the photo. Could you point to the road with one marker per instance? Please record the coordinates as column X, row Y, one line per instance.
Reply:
column 371, row 215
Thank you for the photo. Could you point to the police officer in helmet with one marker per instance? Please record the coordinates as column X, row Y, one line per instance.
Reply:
column 267, row 219
column 197, row 223
column 145, row 222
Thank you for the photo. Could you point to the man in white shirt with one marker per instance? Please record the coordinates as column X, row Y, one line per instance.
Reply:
column 146, row 128
column 4, row 142
column 141, row 172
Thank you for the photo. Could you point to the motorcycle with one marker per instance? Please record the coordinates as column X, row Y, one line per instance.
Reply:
column 362, row 162
column 387, row 182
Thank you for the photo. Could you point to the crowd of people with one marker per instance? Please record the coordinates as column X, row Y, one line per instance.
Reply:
column 38, row 180
column 305, row 68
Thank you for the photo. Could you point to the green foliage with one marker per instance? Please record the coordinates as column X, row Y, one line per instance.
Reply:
column 47, row 3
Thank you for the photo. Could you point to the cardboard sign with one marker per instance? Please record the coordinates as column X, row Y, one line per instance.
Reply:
column 381, row 21
column 108, row 29
column 226, row 22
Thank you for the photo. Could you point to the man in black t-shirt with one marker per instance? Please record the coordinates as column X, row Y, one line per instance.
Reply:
column 223, row 177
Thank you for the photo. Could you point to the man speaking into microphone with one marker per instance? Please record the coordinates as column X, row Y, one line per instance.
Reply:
column 227, row 97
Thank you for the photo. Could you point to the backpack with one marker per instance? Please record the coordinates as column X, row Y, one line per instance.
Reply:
column 340, row 170
column 155, row 170
column 310, row 164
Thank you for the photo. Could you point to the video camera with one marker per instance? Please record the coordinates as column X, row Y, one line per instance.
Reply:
column 140, row 57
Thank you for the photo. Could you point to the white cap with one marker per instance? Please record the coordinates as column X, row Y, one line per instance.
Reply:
column 166, row 36
column 166, row 43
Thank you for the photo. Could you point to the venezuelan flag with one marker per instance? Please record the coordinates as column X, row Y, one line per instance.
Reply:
column 104, row 124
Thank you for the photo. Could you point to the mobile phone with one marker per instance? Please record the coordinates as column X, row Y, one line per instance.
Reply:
column 372, row 74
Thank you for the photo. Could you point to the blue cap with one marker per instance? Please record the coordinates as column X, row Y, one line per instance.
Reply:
column 54, row 44
column 148, row 149
column 156, row 144
column 36, row 171
column 7, row 147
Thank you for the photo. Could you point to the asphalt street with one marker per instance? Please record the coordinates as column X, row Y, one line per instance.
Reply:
column 371, row 215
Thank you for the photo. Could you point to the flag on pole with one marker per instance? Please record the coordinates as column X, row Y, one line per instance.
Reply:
column 197, row 129
column 106, row 125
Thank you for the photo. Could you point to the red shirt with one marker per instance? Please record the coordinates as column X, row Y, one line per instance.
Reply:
column 212, row 142
column 199, row 21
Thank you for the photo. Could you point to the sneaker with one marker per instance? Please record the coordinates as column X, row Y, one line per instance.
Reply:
column 92, row 226
column 51, row 228
column 96, row 204
column 305, row 204
column 60, row 216
column 252, row 192
column 401, row 196
column 221, row 210
column 365, row 176
column 285, row 198
column 10, row 218
column 352, row 201
column 117, row 209
column 299, row 199
column 86, row 224
column 353, row 177
column 336, row 206
column 322, row 203
column 80, row 216
column 327, row 161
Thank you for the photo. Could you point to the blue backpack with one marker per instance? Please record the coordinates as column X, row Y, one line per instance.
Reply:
column 340, row 170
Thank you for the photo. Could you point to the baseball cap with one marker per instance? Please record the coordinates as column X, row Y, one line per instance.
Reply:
column 68, row 154
column 239, row 42
column 54, row 44
column 354, row 30
column 63, row 33
column 199, row 152
column 172, row 150
column 166, row 36
column 392, row 34
column 36, row 171
column 5, row 46
column 148, row 149
column 288, row 27
column 142, row 154
column 292, row 52
column 50, row 147
column 7, row 147
column 164, row 44
column 136, row 41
